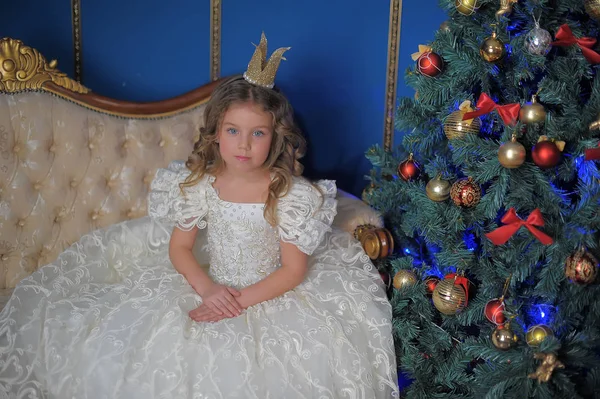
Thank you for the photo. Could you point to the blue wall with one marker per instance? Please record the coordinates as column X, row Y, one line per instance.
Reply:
column 145, row 50
column 44, row 25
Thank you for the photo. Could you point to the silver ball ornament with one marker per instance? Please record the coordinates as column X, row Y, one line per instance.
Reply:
column 538, row 41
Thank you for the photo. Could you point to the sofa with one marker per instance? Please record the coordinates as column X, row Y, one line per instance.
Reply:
column 72, row 161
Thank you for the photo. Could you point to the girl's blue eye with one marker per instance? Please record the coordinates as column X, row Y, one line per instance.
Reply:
column 231, row 131
column 259, row 133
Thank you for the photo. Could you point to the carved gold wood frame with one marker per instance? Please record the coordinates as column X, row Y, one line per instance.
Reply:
column 215, row 39
column 23, row 68
column 76, row 22
column 391, row 81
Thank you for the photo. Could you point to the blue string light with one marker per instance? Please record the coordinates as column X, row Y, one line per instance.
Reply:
column 469, row 239
column 541, row 314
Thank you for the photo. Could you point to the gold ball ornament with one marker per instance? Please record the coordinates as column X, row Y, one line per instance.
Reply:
column 581, row 267
column 592, row 7
column 512, row 154
column 465, row 193
column 492, row 49
column 456, row 128
column 537, row 334
column 438, row 190
column 532, row 112
column 404, row 278
column 449, row 298
column 503, row 337
column 466, row 7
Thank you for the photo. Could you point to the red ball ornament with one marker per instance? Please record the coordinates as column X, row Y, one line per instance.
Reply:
column 430, row 64
column 430, row 284
column 466, row 193
column 409, row 169
column 494, row 311
column 386, row 279
column 545, row 154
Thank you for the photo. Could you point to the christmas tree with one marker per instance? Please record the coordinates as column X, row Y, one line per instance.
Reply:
column 492, row 200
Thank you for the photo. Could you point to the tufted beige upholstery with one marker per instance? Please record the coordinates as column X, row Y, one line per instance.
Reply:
column 66, row 170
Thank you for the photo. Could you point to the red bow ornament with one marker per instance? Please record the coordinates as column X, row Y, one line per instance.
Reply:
column 513, row 223
column 509, row 112
column 565, row 37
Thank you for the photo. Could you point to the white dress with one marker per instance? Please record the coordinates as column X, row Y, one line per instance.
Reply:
column 109, row 318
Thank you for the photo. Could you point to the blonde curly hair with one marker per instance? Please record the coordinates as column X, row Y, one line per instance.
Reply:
column 287, row 146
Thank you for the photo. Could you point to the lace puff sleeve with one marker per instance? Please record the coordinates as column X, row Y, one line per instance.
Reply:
column 166, row 200
column 305, row 214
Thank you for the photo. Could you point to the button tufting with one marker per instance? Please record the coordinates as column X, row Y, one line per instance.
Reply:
column 52, row 148
column 125, row 144
column 4, row 257
column 130, row 213
column 37, row 186
column 94, row 215
column 73, row 183
column 16, row 148
column 21, row 222
column 91, row 146
column 162, row 143
column 59, row 216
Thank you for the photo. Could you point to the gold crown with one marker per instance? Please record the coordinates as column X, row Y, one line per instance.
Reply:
column 260, row 71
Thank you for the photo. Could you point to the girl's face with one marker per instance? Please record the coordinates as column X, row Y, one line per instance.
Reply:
column 245, row 137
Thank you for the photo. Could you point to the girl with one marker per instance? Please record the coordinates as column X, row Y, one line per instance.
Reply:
column 288, row 309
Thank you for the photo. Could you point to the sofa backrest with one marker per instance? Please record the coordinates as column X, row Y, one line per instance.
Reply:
column 72, row 161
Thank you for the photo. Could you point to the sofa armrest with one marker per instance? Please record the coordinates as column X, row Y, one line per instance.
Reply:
column 352, row 213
